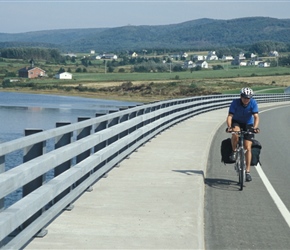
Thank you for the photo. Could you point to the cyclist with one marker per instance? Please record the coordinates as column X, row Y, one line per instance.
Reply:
column 243, row 114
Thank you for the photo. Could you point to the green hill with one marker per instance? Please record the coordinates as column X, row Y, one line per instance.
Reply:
column 198, row 34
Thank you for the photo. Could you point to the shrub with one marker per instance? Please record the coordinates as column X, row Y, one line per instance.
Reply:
column 172, row 84
column 10, row 74
column 217, row 67
column 127, row 85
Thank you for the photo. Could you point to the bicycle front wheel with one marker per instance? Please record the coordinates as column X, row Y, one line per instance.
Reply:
column 242, row 170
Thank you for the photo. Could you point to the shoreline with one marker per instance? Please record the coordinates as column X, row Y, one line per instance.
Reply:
column 95, row 95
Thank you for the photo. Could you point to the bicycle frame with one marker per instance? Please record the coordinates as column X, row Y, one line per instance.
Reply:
column 240, row 165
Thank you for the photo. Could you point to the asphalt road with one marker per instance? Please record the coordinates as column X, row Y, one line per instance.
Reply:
column 251, row 219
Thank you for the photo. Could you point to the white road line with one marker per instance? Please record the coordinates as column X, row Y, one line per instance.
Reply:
column 281, row 206
column 279, row 203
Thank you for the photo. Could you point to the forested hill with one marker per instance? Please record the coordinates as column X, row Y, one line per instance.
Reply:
column 195, row 34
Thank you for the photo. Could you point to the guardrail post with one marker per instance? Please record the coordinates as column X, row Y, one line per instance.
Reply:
column 132, row 129
column 82, row 134
column 30, row 153
column 114, row 138
column 99, row 127
column 146, row 122
column 124, row 133
column 61, row 141
column 153, row 118
column 2, row 170
column 131, row 116
column 141, row 124
column 113, row 122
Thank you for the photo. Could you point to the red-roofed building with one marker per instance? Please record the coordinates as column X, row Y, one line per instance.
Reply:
column 31, row 72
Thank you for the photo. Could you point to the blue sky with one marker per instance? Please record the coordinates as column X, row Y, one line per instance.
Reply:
column 24, row 15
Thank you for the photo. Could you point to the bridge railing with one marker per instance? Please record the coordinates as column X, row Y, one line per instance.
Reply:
column 59, row 164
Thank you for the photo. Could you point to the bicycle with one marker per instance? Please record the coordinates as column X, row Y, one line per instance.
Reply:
column 240, row 164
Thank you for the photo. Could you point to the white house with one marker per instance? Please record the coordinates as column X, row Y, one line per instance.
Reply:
column 253, row 62
column 264, row 64
column 109, row 56
column 227, row 58
column 70, row 55
column 184, row 55
column 134, row 55
column 239, row 60
column 274, row 53
column 211, row 56
column 202, row 64
column 253, row 55
column 176, row 57
column 241, row 56
column 199, row 57
column 63, row 75
column 188, row 64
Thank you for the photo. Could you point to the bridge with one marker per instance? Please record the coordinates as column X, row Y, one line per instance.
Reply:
column 121, row 180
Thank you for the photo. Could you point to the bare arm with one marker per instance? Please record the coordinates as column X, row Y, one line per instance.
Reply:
column 229, row 120
column 256, row 120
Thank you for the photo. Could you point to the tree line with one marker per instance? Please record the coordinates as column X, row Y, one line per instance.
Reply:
column 51, row 55
column 143, row 63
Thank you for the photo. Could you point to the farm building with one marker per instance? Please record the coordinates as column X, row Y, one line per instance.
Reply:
column 202, row 64
column 31, row 72
column 63, row 75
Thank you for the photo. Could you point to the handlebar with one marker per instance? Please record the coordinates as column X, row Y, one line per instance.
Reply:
column 249, row 131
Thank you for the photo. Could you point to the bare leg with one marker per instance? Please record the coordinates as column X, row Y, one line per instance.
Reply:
column 248, row 146
column 235, row 138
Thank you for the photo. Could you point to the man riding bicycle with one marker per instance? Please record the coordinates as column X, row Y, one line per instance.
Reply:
column 243, row 114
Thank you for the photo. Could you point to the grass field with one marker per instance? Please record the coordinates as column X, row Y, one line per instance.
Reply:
column 155, row 85
column 184, row 75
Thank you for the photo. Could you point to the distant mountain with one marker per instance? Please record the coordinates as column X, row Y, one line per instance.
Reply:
column 200, row 33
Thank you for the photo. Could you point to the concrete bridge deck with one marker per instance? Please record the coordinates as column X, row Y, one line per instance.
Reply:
column 154, row 200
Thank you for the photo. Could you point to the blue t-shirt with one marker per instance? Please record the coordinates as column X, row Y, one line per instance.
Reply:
column 243, row 114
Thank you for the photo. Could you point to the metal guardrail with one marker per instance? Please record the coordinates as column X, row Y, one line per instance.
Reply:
column 58, row 165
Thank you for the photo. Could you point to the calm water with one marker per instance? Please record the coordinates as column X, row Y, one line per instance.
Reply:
column 20, row 111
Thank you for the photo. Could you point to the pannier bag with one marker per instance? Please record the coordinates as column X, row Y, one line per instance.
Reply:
column 226, row 150
column 256, row 151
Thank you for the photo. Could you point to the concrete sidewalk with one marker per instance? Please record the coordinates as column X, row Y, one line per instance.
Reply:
column 154, row 200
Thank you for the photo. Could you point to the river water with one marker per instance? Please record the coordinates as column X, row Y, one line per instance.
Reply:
column 19, row 111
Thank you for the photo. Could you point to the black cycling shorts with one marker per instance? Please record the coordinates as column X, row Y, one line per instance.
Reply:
column 245, row 127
